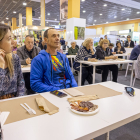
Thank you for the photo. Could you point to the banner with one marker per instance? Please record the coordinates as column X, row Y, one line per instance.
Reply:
column 63, row 10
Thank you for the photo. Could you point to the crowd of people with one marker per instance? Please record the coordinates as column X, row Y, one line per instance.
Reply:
column 50, row 69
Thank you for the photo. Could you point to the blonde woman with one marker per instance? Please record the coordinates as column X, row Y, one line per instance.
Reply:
column 11, row 79
column 86, row 53
column 103, row 52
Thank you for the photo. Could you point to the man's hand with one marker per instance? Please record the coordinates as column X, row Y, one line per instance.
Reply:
column 28, row 61
column 14, row 52
column 121, row 52
column 113, row 52
column 92, row 59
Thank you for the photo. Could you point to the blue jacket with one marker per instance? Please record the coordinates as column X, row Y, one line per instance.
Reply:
column 135, row 53
column 41, row 77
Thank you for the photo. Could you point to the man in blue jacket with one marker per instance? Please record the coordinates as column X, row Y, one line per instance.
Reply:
column 50, row 70
column 135, row 53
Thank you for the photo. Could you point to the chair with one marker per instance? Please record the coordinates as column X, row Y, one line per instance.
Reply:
column 137, row 70
column 128, row 65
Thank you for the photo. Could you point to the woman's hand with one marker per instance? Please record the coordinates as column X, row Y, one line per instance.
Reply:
column 92, row 59
column 2, row 61
column 113, row 52
column 121, row 52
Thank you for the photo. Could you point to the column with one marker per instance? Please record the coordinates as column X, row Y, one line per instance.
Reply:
column 103, row 30
column 20, row 20
column 14, row 23
column 9, row 23
column 136, row 27
column 73, row 8
column 42, row 15
column 28, row 16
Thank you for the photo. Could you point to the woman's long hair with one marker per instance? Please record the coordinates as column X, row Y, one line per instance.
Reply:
column 8, row 57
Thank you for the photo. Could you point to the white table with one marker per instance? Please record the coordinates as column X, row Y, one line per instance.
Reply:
column 114, row 112
column 71, row 57
column 103, row 62
column 26, row 69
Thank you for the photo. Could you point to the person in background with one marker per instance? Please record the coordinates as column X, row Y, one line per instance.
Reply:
column 59, row 49
column 14, row 50
column 50, row 70
column 103, row 53
column 43, row 45
column 11, row 78
column 26, row 53
column 105, row 37
column 111, row 45
column 129, row 43
column 73, row 50
column 119, row 50
column 65, row 47
column 135, row 44
column 77, row 46
column 86, row 53
column 135, row 53
column 100, row 41
column 81, row 45
column 62, row 41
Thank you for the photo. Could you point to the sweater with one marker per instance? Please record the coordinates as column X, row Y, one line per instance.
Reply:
column 135, row 53
column 72, row 51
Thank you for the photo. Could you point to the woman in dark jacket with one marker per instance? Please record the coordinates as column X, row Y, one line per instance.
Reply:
column 103, row 53
column 119, row 50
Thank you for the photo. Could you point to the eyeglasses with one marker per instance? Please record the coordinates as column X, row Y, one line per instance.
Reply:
column 105, row 43
column 128, row 37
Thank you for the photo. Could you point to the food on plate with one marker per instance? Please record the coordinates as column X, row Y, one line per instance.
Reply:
column 83, row 106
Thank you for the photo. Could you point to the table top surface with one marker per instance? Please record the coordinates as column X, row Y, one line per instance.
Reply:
column 65, row 125
column 71, row 56
column 106, row 62
column 26, row 69
column 124, row 54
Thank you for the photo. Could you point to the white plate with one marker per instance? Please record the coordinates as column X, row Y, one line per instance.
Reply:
column 85, row 113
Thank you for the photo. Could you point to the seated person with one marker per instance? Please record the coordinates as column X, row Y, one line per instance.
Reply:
column 129, row 43
column 65, row 47
column 103, row 53
column 111, row 45
column 11, row 78
column 76, row 46
column 73, row 50
column 42, row 45
column 50, row 70
column 135, row 53
column 119, row 50
column 26, row 53
column 14, row 50
column 85, row 53
column 59, row 49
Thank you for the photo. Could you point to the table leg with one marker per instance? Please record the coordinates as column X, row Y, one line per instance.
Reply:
column 107, row 136
column 132, row 74
column 94, row 67
column 80, row 75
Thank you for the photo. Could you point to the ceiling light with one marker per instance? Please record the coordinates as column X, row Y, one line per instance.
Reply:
column 123, row 9
column 115, row 16
column 84, row 11
column 95, row 20
column 7, row 18
column 14, row 12
column 48, row 13
column 93, row 24
column 101, row 14
column 107, row 22
column 127, row 19
column 105, row 5
column 83, row 0
column 38, row 17
column 47, row 22
column 32, row 20
column 24, row 3
column 55, row 19
column 138, row 12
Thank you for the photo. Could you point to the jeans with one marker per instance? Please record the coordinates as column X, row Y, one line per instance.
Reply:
column 106, row 68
